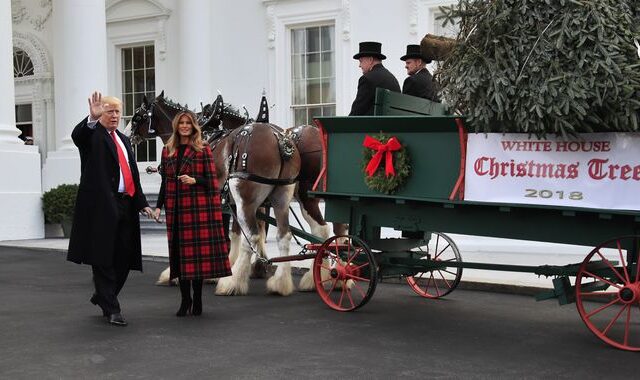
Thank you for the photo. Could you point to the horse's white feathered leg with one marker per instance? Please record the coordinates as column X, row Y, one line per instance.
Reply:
column 163, row 279
column 281, row 282
column 238, row 282
column 234, row 248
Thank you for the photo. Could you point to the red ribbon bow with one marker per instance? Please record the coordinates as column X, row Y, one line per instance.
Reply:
column 382, row 149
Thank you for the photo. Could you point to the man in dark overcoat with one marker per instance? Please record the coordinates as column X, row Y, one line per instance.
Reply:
column 419, row 83
column 373, row 75
column 106, row 226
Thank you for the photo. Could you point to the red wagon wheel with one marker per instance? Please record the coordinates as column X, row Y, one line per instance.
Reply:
column 608, row 292
column 439, row 282
column 344, row 271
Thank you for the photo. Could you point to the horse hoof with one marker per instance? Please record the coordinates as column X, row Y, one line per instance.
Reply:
column 306, row 283
column 163, row 279
column 280, row 286
column 229, row 287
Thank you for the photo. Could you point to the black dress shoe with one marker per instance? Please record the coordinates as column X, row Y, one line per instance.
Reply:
column 94, row 300
column 117, row 319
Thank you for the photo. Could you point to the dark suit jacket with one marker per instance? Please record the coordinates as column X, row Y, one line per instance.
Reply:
column 366, row 96
column 422, row 85
column 96, row 218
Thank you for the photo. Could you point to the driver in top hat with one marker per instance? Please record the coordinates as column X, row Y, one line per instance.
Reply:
column 373, row 75
column 419, row 83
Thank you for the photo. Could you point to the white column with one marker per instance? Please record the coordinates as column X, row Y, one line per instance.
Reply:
column 20, row 186
column 8, row 131
column 80, row 67
column 195, row 57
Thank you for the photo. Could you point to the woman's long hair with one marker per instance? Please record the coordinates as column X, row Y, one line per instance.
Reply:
column 196, row 137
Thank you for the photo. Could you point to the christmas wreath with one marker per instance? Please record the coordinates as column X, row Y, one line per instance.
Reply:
column 388, row 175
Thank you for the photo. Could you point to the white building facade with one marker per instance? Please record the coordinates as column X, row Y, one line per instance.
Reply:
column 299, row 52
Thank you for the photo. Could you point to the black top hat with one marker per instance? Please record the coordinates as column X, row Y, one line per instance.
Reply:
column 370, row 49
column 413, row 51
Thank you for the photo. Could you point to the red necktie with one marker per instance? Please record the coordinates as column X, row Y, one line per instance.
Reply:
column 129, row 187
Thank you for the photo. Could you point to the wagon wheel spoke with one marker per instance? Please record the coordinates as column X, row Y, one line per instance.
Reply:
column 348, row 292
column 345, row 274
column 598, row 294
column 438, row 279
column 611, row 266
column 355, row 285
column 624, row 265
column 444, row 280
column 341, row 295
column 603, row 280
column 601, row 308
column 354, row 277
column 606, row 307
column 333, row 286
column 440, row 253
column 606, row 330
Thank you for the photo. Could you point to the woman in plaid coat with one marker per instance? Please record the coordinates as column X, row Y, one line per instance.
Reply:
column 190, row 195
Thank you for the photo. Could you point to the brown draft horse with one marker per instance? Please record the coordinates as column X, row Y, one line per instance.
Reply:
column 251, row 163
column 307, row 139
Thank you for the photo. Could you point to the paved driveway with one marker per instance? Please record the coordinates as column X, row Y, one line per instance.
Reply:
column 48, row 329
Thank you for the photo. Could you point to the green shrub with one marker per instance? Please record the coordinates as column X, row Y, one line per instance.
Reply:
column 58, row 203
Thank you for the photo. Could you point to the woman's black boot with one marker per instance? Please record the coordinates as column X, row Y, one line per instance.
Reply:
column 197, row 297
column 185, row 304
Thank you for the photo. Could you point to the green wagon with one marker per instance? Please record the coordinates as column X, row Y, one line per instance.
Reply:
column 605, row 286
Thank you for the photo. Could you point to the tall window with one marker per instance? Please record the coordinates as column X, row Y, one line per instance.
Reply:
column 313, row 80
column 138, row 80
column 24, row 121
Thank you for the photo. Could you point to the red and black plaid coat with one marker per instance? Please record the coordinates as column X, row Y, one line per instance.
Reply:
column 201, row 249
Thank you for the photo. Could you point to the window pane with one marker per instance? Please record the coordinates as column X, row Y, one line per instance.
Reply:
column 327, row 64
column 313, row 91
column 297, row 40
column 313, row 65
column 23, row 113
column 128, row 105
column 138, row 80
column 151, row 149
column 127, row 77
column 137, row 100
column 126, row 59
column 298, row 64
column 142, row 152
column 329, row 111
column 299, row 116
column 138, row 57
column 148, row 56
column 313, row 39
column 329, row 90
column 150, row 80
column 327, row 33
column 314, row 112
column 299, row 92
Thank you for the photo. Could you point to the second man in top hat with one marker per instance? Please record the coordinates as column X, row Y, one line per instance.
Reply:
column 373, row 75
column 419, row 83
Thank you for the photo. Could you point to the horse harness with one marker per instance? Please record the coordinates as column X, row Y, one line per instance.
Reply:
column 240, row 154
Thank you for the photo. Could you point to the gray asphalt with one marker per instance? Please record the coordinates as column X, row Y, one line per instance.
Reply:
column 49, row 330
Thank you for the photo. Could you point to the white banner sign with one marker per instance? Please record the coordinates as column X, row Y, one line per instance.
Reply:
column 598, row 170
